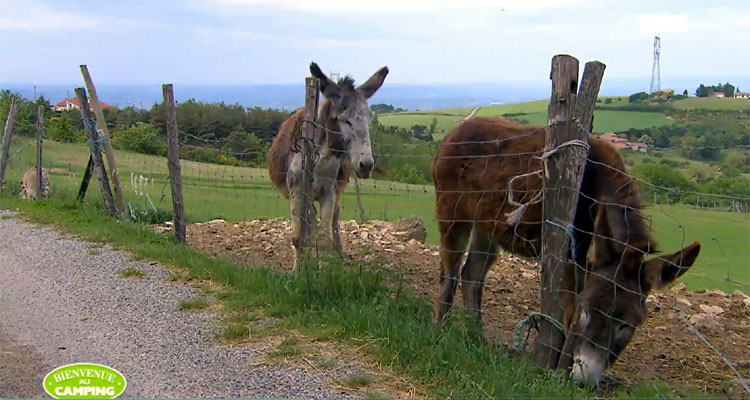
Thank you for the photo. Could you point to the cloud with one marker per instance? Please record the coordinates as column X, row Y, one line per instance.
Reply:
column 247, row 38
column 663, row 23
column 33, row 16
column 416, row 7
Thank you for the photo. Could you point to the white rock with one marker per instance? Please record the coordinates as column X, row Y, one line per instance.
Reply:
column 685, row 302
column 712, row 310
column 706, row 321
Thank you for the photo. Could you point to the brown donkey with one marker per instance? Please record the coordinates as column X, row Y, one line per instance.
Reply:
column 472, row 172
column 341, row 140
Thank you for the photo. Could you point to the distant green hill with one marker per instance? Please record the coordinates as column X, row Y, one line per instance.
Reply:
column 611, row 115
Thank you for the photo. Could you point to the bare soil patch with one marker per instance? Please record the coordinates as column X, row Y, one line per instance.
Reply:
column 662, row 350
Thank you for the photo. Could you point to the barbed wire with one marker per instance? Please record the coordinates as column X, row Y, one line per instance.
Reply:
column 514, row 196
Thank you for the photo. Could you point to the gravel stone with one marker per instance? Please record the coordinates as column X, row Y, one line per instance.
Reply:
column 61, row 303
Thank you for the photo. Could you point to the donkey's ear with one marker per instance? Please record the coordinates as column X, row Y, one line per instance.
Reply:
column 328, row 87
column 374, row 83
column 661, row 271
column 609, row 233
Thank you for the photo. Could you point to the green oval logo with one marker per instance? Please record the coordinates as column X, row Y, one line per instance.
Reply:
column 84, row 381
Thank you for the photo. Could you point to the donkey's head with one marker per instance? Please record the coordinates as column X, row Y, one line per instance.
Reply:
column 348, row 117
column 613, row 300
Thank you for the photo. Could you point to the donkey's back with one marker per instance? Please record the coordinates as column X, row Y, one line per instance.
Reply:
column 486, row 167
column 279, row 153
column 488, row 193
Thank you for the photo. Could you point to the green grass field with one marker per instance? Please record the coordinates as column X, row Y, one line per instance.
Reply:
column 708, row 103
column 239, row 193
column 533, row 111
column 407, row 120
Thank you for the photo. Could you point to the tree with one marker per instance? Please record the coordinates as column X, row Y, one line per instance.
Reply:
column 728, row 89
column 702, row 91
column 433, row 125
column 61, row 129
column 637, row 97
column 383, row 108
column 245, row 146
column 666, row 180
column 420, row 132
column 700, row 172
column 705, row 91
column 685, row 92
column 143, row 138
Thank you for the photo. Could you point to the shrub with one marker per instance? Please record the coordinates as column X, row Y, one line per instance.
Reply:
column 207, row 155
column 670, row 182
column 62, row 130
column 141, row 139
column 407, row 173
column 638, row 97
column 669, row 163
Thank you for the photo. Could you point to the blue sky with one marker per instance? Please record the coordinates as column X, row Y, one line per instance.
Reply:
column 422, row 41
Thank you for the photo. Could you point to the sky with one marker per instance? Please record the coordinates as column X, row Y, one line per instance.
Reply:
column 421, row 41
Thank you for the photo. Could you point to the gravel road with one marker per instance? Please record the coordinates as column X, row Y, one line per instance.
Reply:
column 61, row 301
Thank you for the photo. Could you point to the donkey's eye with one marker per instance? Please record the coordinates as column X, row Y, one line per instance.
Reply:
column 623, row 327
column 348, row 123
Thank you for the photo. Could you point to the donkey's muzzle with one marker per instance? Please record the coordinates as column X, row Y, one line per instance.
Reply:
column 364, row 168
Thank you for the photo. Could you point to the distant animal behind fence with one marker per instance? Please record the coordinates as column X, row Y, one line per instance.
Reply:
column 30, row 185
column 488, row 167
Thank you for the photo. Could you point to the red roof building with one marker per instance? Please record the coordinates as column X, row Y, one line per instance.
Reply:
column 72, row 104
column 622, row 143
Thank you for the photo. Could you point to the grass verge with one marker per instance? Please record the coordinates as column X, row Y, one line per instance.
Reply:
column 193, row 304
column 328, row 300
column 130, row 272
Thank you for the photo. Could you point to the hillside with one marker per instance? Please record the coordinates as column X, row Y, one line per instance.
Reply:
column 614, row 114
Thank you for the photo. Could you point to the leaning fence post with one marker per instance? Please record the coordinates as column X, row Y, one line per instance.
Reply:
column 588, row 92
column 7, row 134
column 173, row 154
column 85, row 181
column 562, row 168
column 96, row 155
column 101, row 124
column 39, row 138
column 305, row 205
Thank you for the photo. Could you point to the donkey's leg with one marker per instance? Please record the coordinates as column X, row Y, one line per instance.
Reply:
column 482, row 254
column 335, row 234
column 329, row 219
column 453, row 238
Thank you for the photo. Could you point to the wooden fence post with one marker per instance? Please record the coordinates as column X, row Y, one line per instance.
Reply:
column 588, row 92
column 85, row 181
column 96, row 155
column 39, row 138
column 173, row 153
column 305, row 205
column 562, row 169
column 7, row 135
column 101, row 125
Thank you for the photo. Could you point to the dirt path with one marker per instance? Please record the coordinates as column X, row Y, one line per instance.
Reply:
column 61, row 301
column 472, row 113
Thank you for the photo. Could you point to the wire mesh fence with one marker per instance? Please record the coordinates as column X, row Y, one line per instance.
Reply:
column 684, row 339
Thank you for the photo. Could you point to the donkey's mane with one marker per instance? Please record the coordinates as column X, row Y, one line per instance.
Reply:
column 346, row 81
